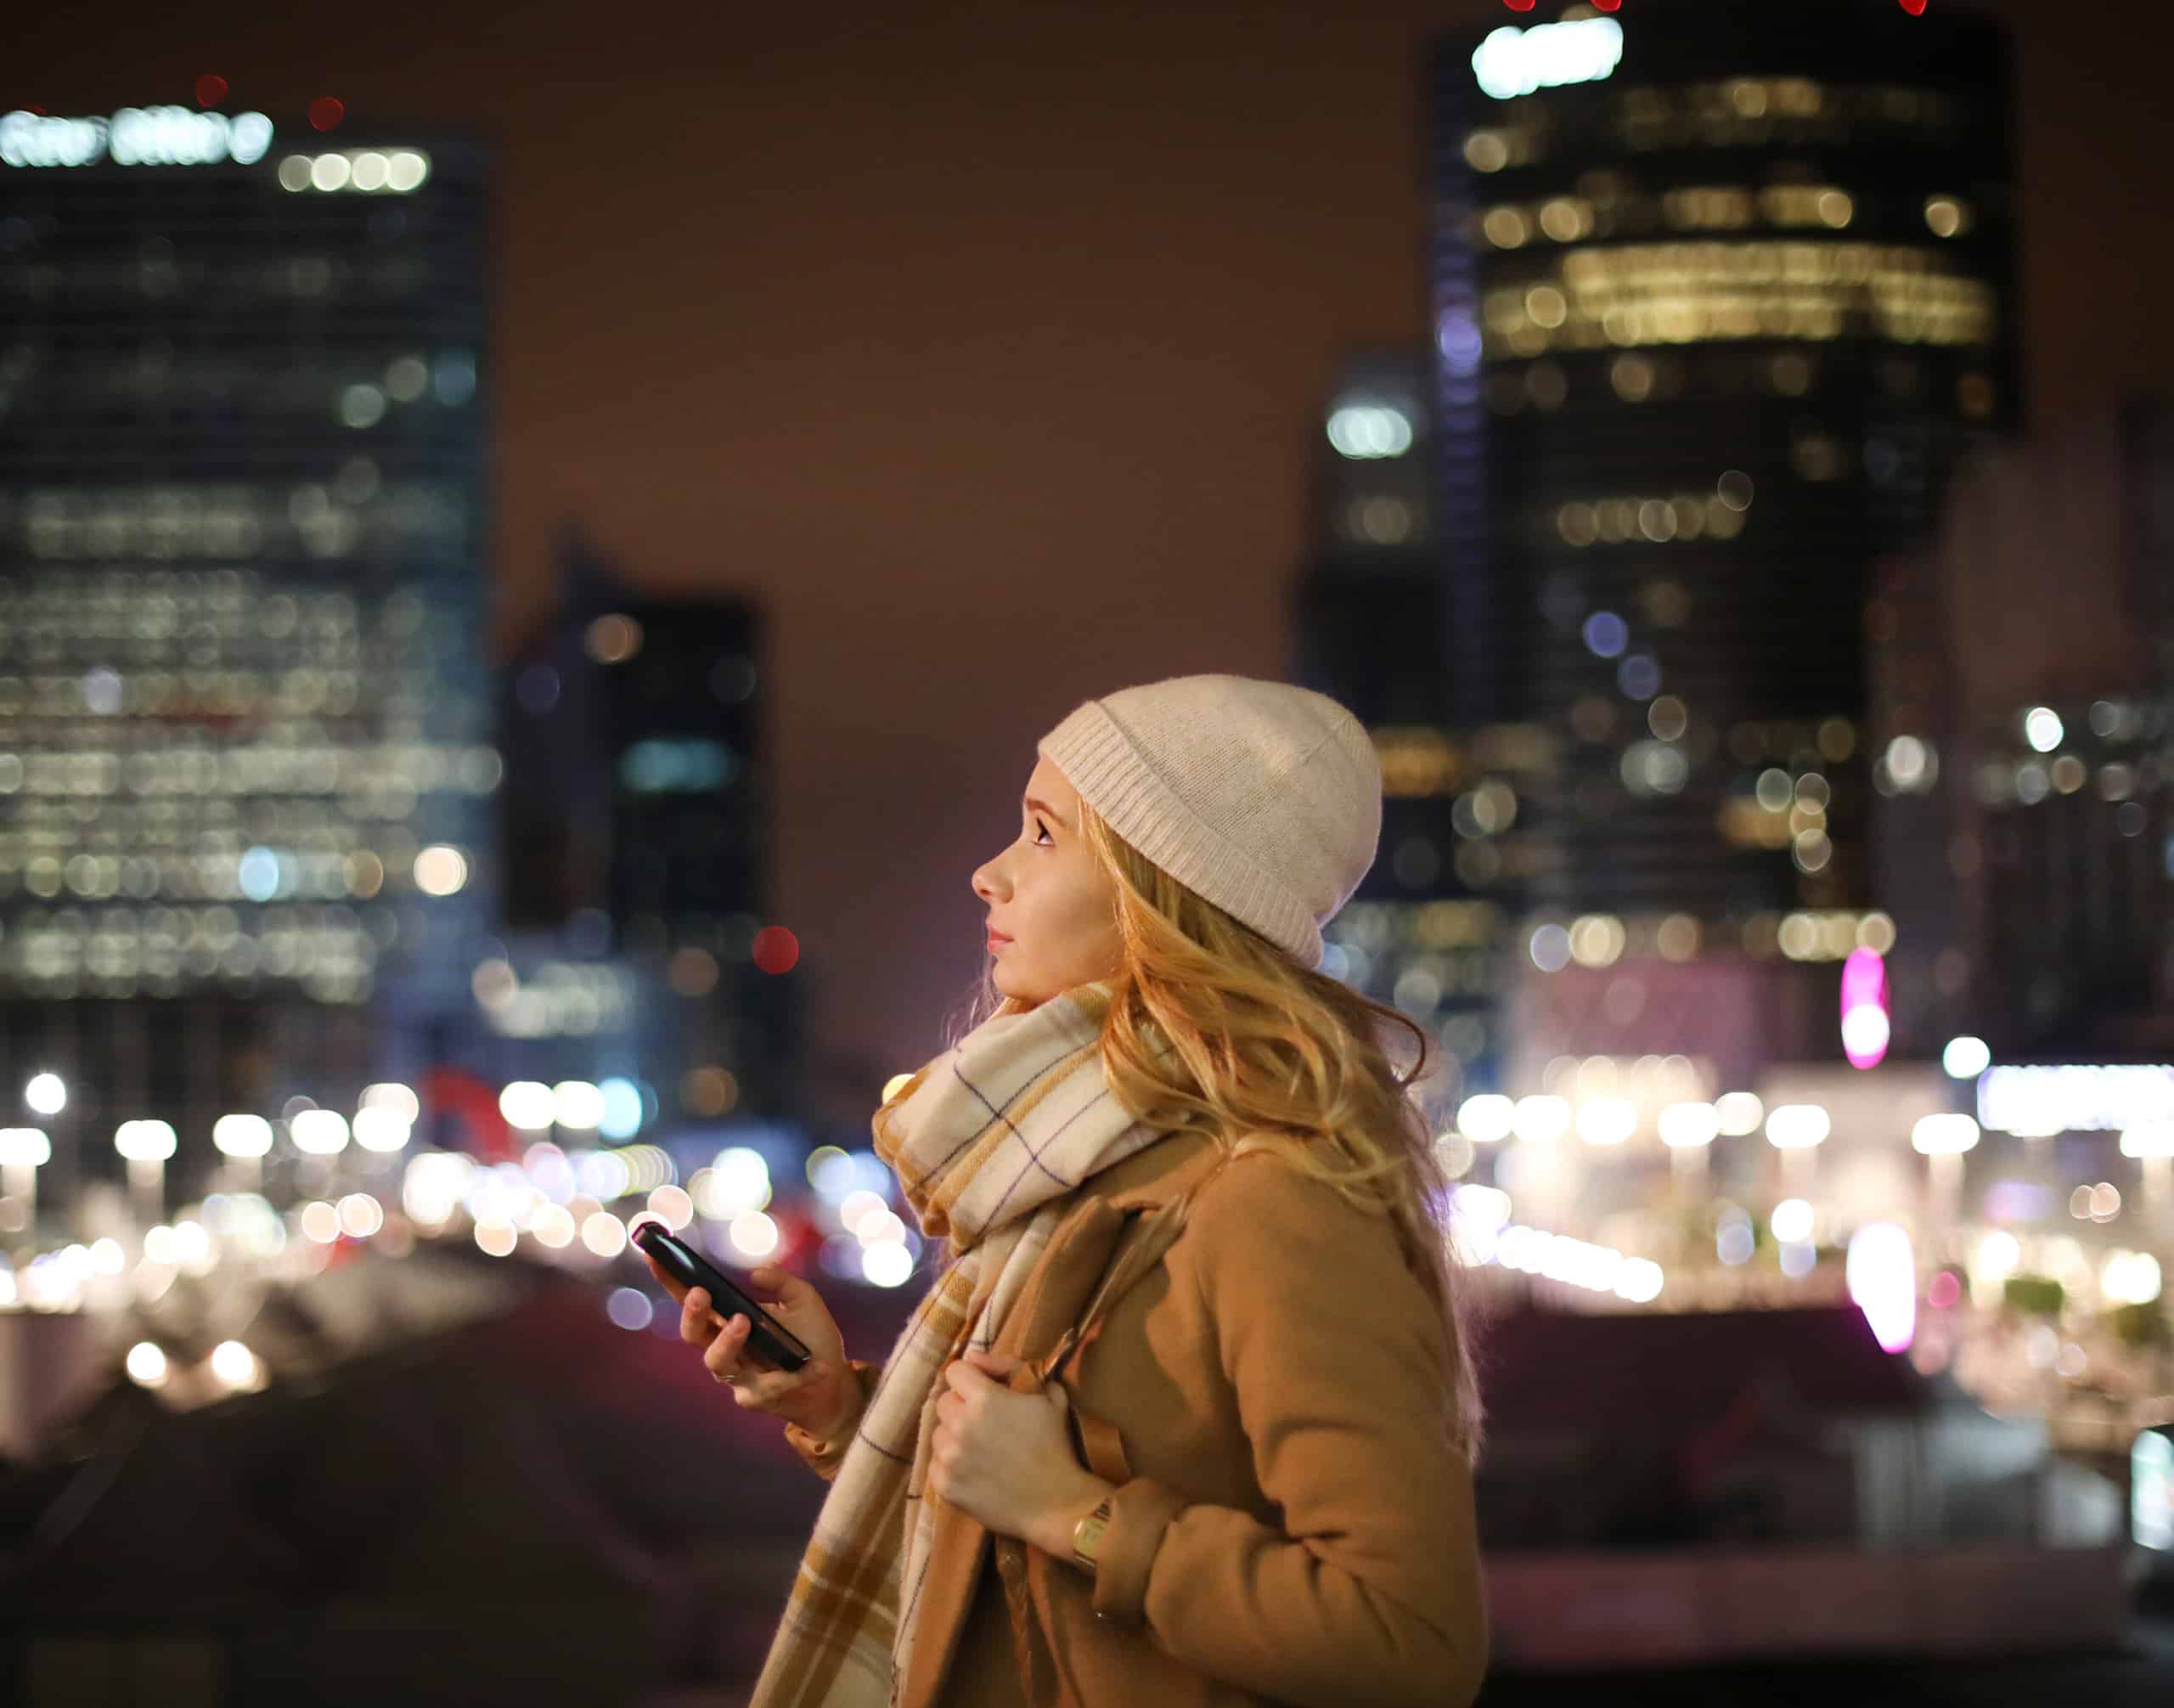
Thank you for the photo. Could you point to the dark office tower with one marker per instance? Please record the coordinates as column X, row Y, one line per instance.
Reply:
column 1430, row 926
column 639, row 800
column 246, row 840
column 1721, row 292
column 689, row 794
column 1371, row 604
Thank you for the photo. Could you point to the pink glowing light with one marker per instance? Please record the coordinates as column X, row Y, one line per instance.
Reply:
column 1865, row 1024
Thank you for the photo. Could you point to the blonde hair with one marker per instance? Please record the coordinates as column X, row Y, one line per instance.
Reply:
column 1212, row 1029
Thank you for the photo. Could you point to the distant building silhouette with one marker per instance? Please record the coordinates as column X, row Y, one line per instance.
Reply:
column 2020, row 714
column 637, row 819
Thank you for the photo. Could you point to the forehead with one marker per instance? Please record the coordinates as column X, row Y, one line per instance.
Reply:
column 1048, row 783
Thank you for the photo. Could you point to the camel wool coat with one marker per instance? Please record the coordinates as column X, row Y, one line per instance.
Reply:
column 1291, row 1524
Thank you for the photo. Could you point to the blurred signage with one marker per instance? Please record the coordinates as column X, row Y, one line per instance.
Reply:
column 135, row 137
column 2151, row 1489
column 1512, row 62
column 2041, row 1101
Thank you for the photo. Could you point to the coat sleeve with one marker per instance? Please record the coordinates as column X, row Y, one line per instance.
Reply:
column 1368, row 1591
column 823, row 1454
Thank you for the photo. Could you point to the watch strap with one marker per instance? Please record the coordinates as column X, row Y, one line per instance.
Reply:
column 1087, row 1534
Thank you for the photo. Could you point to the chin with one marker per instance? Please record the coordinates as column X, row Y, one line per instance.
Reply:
column 1018, row 989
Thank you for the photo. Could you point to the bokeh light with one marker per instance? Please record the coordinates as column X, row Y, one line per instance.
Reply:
column 1882, row 1276
column 753, row 1236
column 775, row 950
column 1966, row 1058
column 319, row 1132
column 603, row 1233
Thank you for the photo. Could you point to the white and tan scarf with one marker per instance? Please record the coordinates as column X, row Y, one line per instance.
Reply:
column 987, row 1140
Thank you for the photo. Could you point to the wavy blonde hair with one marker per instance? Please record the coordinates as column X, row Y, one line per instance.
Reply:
column 1213, row 1030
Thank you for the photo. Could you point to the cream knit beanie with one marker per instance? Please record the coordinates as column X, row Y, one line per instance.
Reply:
column 1260, row 797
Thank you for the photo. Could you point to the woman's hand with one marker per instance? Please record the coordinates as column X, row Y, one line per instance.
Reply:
column 821, row 1396
column 1006, row 1458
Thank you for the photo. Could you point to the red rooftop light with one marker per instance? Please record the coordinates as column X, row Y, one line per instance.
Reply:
column 1518, row 5
column 1608, row 5
column 1915, row 9
column 324, row 112
column 210, row 90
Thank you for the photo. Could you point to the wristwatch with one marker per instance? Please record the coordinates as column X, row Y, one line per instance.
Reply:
column 1087, row 1534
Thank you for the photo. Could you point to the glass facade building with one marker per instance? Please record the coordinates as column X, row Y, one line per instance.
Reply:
column 1721, row 294
column 246, row 763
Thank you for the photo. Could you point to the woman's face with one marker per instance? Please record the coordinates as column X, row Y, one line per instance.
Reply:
column 1052, row 908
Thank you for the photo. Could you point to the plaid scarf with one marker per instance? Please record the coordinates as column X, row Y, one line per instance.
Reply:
column 987, row 1142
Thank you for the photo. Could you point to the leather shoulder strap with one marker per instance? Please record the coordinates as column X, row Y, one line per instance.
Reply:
column 1149, row 1236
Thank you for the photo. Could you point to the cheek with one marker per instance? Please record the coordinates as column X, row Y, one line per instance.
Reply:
column 1069, row 913
column 1083, row 921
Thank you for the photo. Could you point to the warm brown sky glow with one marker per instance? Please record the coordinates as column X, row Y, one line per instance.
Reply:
column 984, row 344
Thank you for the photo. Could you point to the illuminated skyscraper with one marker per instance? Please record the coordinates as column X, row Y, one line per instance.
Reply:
column 1721, row 294
column 245, row 760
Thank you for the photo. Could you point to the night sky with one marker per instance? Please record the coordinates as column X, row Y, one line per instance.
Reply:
column 985, row 345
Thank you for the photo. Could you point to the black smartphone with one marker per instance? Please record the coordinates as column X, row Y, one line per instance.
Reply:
column 767, row 1339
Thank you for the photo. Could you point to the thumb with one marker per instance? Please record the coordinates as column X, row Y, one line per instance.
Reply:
column 788, row 1290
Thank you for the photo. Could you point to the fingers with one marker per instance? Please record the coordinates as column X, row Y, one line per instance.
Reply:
column 755, row 1386
column 965, row 1376
column 727, row 1344
column 698, row 1323
column 721, row 1355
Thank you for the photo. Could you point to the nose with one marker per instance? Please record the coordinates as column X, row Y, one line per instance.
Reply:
column 985, row 883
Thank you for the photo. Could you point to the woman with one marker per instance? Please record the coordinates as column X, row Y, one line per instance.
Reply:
column 1192, row 1375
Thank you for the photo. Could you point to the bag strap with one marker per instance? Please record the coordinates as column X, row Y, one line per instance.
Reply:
column 1139, row 1248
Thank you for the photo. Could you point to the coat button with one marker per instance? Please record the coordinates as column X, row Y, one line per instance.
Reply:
column 1008, row 1564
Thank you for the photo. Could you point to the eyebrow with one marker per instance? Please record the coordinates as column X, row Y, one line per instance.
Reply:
column 1034, row 805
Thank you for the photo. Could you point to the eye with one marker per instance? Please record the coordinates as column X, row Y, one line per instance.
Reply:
column 1044, row 839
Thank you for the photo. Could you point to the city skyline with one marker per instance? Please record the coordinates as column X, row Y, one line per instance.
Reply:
column 598, row 511
column 707, row 369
